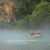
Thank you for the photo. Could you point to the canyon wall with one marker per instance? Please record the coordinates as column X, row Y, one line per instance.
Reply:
column 6, row 10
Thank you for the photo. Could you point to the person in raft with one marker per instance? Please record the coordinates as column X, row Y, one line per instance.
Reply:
column 35, row 33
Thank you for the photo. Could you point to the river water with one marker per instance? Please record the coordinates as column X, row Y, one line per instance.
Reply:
column 20, row 40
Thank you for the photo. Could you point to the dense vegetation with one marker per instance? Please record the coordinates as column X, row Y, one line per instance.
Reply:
column 31, row 13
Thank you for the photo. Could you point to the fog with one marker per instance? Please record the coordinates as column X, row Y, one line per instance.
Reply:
column 15, row 39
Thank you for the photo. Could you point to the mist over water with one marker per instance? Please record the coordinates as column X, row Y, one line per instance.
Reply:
column 19, row 39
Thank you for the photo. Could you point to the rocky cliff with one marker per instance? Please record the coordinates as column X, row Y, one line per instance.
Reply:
column 6, row 10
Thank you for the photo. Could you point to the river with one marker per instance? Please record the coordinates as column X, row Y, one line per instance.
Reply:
column 11, row 39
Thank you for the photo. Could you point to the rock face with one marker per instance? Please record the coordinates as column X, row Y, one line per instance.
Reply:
column 6, row 10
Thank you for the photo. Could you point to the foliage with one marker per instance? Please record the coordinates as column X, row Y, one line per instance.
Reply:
column 31, row 13
column 41, row 14
column 23, row 8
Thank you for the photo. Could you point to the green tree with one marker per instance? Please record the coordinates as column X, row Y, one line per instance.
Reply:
column 41, row 13
column 23, row 8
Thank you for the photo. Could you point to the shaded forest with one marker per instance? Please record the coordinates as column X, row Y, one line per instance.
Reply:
column 27, row 13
